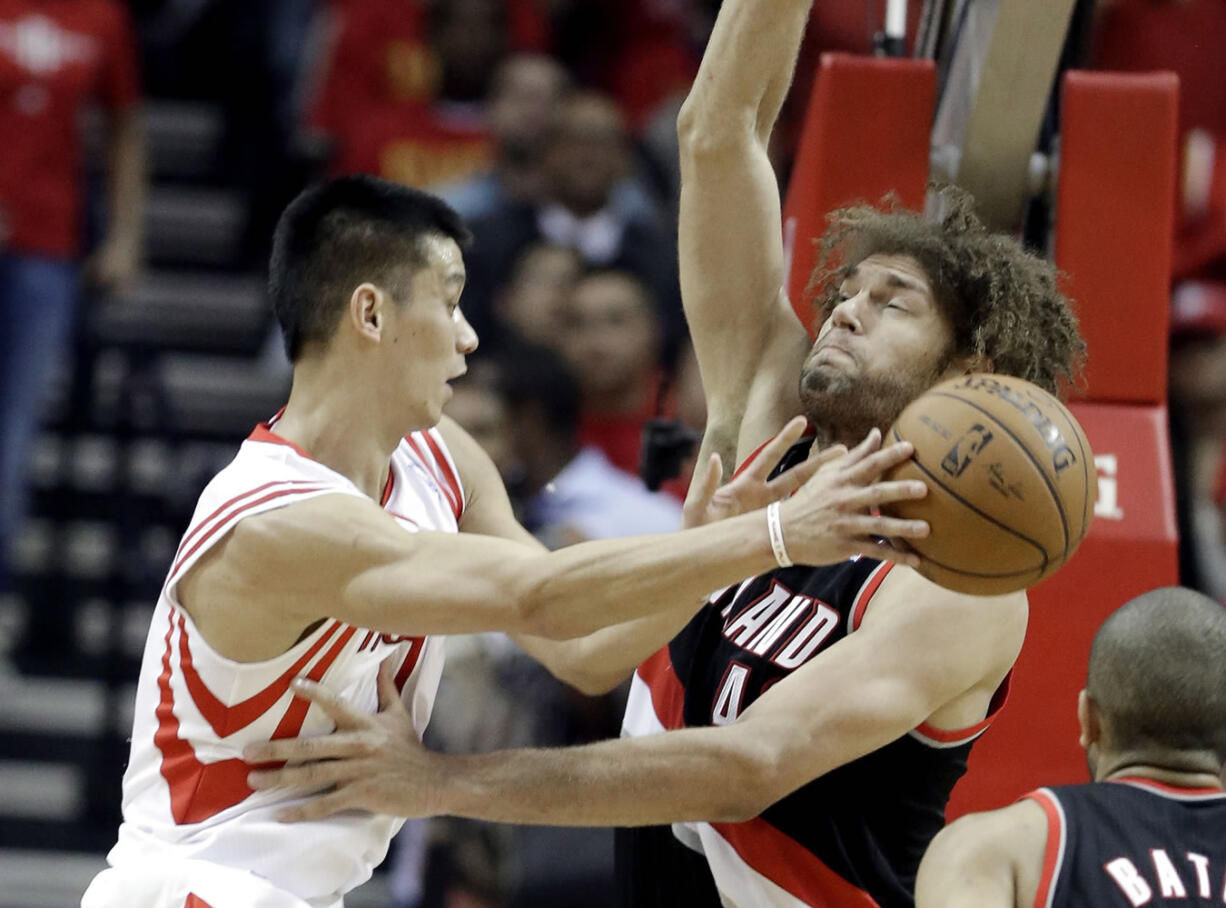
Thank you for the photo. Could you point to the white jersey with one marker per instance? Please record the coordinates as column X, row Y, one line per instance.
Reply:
column 185, row 793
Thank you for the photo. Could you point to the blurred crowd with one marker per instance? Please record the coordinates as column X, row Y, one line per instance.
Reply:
column 549, row 124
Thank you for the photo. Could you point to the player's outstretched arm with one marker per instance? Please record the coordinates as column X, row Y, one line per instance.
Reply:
column 343, row 557
column 985, row 860
column 922, row 650
column 748, row 341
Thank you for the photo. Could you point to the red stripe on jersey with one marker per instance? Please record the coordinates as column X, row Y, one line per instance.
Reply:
column 298, row 490
column 226, row 720
column 411, row 658
column 1166, row 789
column 195, row 901
column 201, row 790
column 428, row 463
column 790, row 865
column 751, row 458
column 387, row 487
column 867, row 592
column 948, row 738
column 197, row 791
column 204, row 523
column 667, row 693
column 263, row 432
column 1053, row 849
column 454, row 484
column 291, row 722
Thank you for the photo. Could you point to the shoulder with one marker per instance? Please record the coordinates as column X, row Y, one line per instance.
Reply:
column 995, row 621
column 989, row 859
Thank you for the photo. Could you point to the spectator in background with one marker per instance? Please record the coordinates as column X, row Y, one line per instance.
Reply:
column 402, row 90
column 571, row 490
column 531, row 306
column 611, row 339
column 592, row 206
column 56, row 61
column 524, row 98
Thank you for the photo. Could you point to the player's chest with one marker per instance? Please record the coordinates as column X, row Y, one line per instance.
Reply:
column 745, row 642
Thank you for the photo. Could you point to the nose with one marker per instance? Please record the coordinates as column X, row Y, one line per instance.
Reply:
column 466, row 340
column 847, row 315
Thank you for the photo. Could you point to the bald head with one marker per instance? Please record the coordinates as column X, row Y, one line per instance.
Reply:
column 1157, row 674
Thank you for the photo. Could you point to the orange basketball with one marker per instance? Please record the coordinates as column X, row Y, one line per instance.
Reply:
column 1011, row 482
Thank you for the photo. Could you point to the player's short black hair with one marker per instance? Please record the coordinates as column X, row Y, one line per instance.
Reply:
column 337, row 234
column 1158, row 673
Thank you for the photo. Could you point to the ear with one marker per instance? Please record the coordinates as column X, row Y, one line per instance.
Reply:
column 366, row 311
column 1089, row 720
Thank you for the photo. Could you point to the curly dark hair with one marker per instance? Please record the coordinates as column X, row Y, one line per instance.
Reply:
column 1002, row 301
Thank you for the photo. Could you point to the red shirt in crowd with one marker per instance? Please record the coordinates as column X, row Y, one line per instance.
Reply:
column 57, row 57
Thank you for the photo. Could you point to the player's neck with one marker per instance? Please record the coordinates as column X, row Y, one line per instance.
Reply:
column 338, row 429
column 1192, row 776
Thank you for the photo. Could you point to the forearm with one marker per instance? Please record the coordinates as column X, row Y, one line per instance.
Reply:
column 598, row 662
column 746, row 70
column 583, row 588
column 690, row 775
column 126, row 177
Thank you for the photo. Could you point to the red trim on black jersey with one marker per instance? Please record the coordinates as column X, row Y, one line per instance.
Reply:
column 667, row 692
column 751, row 458
column 866, row 594
column 1177, row 792
column 790, row 865
column 758, row 450
column 941, row 737
column 1053, row 852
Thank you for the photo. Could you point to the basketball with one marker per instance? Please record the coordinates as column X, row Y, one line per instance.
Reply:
column 1011, row 482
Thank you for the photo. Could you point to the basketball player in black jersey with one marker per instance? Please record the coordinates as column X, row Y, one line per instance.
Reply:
column 1151, row 828
column 817, row 718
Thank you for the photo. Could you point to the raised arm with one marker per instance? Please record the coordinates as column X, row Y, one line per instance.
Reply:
column 748, row 341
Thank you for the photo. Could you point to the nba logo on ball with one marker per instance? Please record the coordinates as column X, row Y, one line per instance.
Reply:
column 1011, row 482
column 970, row 444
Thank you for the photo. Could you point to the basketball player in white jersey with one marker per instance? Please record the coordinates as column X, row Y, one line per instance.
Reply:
column 1151, row 828
column 329, row 546
column 814, row 719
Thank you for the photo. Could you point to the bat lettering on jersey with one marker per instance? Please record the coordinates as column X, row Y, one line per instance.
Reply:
column 1170, row 876
column 781, row 626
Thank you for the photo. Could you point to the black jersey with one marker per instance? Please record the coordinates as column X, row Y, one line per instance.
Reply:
column 1132, row 842
column 853, row 837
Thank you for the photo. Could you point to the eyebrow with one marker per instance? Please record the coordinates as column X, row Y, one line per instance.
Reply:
column 893, row 279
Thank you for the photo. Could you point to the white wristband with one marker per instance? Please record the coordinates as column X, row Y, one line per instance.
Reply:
column 774, row 526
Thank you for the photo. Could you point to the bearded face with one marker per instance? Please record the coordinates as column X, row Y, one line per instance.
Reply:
column 885, row 343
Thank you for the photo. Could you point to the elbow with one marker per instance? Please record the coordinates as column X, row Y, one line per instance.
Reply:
column 749, row 783
column 706, row 131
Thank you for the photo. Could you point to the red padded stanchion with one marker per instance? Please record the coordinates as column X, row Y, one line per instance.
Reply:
column 866, row 133
column 1115, row 208
column 1130, row 549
